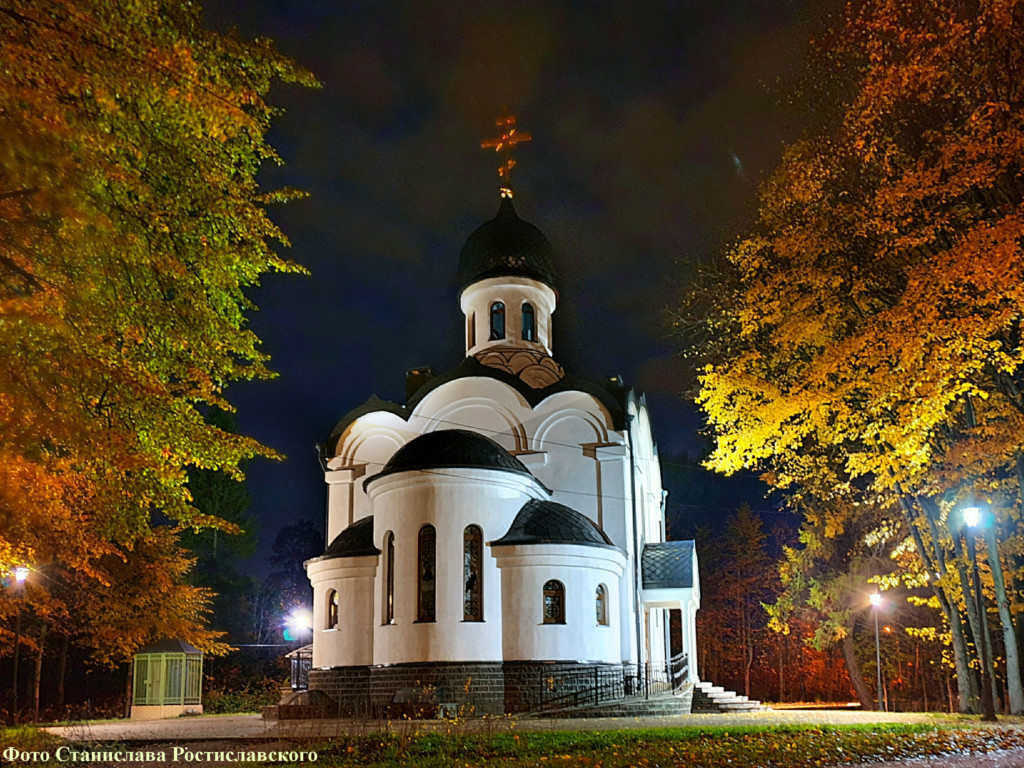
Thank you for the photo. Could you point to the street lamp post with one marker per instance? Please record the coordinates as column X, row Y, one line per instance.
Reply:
column 20, row 574
column 876, row 602
column 972, row 518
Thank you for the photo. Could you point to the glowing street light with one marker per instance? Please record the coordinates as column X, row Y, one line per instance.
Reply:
column 972, row 518
column 876, row 604
column 298, row 622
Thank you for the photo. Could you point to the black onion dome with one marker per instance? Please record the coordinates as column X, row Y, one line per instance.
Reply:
column 354, row 541
column 507, row 246
column 451, row 449
column 547, row 522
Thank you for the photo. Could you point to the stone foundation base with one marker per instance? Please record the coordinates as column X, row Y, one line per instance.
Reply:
column 161, row 711
column 448, row 688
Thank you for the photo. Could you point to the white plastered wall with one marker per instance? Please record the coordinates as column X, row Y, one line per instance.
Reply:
column 350, row 643
column 450, row 500
column 525, row 569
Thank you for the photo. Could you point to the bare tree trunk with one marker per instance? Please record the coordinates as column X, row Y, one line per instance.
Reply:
column 128, row 690
column 935, row 562
column 864, row 696
column 38, row 675
column 782, row 667
column 62, row 673
column 1013, row 680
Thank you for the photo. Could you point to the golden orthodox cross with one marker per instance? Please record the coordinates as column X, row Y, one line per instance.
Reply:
column 506, row 143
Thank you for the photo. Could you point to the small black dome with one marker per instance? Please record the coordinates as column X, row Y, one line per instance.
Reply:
column 546, row 522
column 507, row 246
column 354, row 541
column 451, row 449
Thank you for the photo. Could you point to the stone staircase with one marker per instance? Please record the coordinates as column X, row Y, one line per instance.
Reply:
column 708, row 697
column 657, row 705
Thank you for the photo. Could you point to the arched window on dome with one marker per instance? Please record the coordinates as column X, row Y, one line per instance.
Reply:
column 554, row 602
column 471, row 330
column 332, row 609
column 529, row 323
column 601, row 605
column 426, row 593
column 497, row 320
column 472, row 574
column 389, row 578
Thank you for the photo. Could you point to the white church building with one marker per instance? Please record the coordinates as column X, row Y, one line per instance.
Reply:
column 499, row 537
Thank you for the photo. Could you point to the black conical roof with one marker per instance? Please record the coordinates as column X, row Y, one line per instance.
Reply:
column 354, row 541
column 507, row 246
column 451, row 449
column 548, row 522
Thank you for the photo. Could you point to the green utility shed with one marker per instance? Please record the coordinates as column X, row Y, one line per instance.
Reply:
column 167, row 681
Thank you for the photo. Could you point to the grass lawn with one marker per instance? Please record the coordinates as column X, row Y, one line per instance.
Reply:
column 710, row 747
column 779, row 746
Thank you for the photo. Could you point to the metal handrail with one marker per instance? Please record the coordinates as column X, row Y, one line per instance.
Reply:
column 611, row 683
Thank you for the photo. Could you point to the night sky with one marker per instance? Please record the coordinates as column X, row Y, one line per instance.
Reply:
column 652, row 125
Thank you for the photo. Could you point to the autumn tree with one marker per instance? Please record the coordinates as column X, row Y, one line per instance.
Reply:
column 872, row 324
column 131, row 225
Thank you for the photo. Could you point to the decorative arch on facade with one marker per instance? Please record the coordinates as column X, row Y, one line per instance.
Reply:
column 426, row 574
column 486, row 415
column 366, row 443
column 569, row 427
column 472, row 574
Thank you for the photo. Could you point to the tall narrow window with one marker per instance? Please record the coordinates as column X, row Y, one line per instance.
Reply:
column 601, row 605
column 332, row 609
column 471, row 330
column 427, row 592
column 472, row 576
column 529, row 323
column 554, row 602
column 497, row 320
column 389, row 578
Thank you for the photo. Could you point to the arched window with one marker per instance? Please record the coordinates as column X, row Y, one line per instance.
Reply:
column 601, row 605
column 427, row 584
column 554, row 602
column 471, row 330
column 389, row 578
column 497, row 320
column 472, row 574
column 332, row 609
column 529, row 323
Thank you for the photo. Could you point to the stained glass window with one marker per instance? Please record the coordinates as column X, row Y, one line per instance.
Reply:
column 497, row 320
column 427, row 574
column 332, row 609
column 554, row 602
column 389, row 578
column 529, row 323
column 601, row 604
column 472, row 574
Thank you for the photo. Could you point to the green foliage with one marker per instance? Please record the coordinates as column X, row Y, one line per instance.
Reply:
column 868, row 348
column 250, row 697
column 131, row 227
